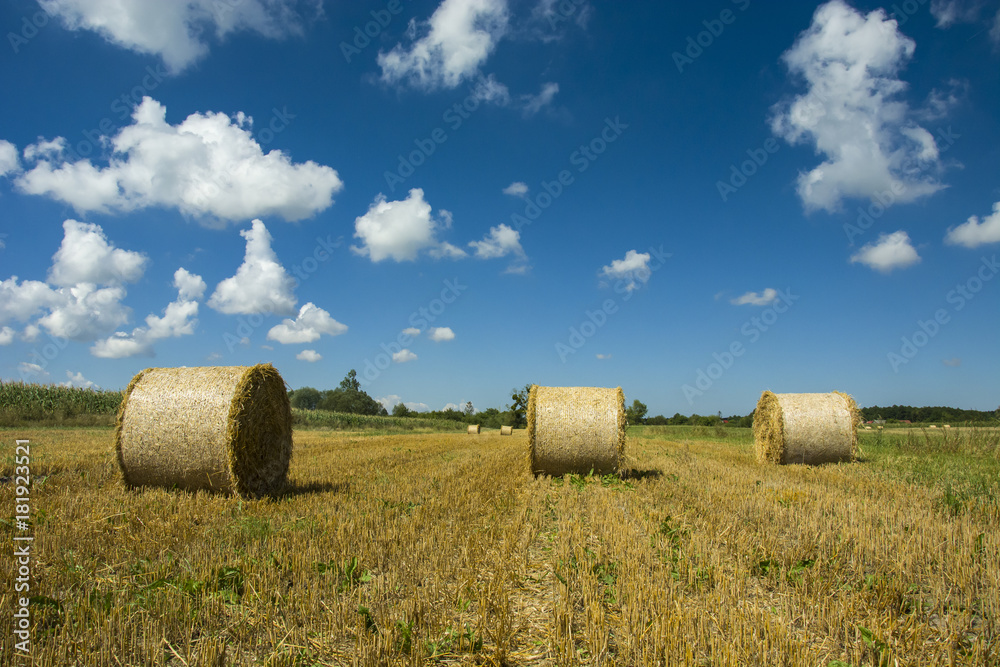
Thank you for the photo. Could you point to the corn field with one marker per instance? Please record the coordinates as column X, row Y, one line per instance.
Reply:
column 21, row 402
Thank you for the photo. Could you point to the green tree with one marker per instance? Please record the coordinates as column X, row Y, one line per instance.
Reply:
column 469, row 410
column 636, row 413
column 350, row 382
column 400, row 410
column 349, row 397
column 305, row 398
column 519, row 406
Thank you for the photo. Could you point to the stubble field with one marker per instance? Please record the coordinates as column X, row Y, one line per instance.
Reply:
column 425, row 549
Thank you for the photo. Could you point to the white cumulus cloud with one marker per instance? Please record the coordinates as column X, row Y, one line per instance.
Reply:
column 77, row 380
column 400, row 230
column 312, row 356
column 177, row 31
column 6, row 336
column 972, row 233
column 633, row 269
column 455, row 42
column 403, row 356
column 86, row 256
column 765, row 298
column 9, row 163
column 890, row 251
column 209, row 166
column 411, row 331
column 516, row 189
column 311, row 323
column 29, row 370
column 851, row 112
column 440, row 334
column 178, row 319
column 501, row 241
column 261, row 284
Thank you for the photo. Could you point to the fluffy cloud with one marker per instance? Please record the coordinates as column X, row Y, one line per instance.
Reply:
column 411, row 331
column 6, row 336
column 179, row 319
column 22, row 301
column 891, row 251
column 29, row 370
column 501, row 241
column 390, row 401
column 176, row 31
column 458, row 38
column 209, row 166
column 77, row 380
column 87, row 273
column 765, row 298
column 516, row 189
column 261, row 284
column 84, row 312
column 851, row 114
column 440, row 334
column 972, row 233
column 8, row 158
column 85, row 256
column 403, row 356
column 312, row 356
column 311, row 323
column 633, row 269
column 399, row 230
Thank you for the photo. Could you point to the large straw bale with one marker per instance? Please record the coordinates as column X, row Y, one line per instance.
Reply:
column 806, row 428
column 575, row 430
column 506, row 430
column 226, row 429
column 474, row 429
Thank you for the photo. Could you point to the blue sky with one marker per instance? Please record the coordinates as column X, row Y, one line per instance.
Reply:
column 696, row 202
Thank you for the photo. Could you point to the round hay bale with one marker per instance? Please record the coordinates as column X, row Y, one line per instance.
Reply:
column 575, row 430
column 474, row 429
column 932, row 426
column 806, row 428
column 506, row 430
column 226, row 429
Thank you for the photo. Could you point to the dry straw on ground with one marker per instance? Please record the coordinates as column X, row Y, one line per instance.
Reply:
column 806, row 428
column 575, row 430
column 474, row 429
column 226, row 429
column 506, row 430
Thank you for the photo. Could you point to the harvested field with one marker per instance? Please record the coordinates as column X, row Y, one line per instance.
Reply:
column 441, row 549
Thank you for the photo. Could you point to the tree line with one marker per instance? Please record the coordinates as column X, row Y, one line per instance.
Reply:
column 350, row 398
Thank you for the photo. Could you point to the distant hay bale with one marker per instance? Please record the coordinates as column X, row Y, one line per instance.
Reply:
column 575, row 430
column 474, row 429
column 806, row 428
column 226, row 429
column 868, row 428
column 947, row 426
column 506, row 430
column 932, row 426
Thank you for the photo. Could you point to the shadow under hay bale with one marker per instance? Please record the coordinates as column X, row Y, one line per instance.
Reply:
column 806, row 428
column 506, row 430
column 474, row 429
column 225, row 429
column 575, row 430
